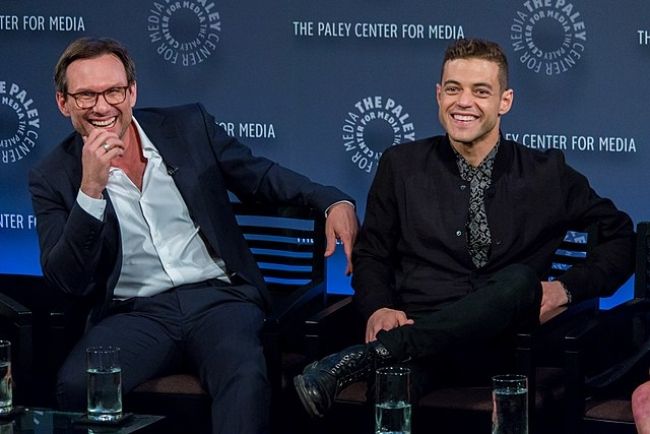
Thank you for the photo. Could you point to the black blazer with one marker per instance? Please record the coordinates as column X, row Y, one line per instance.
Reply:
column 82, row 256
column 412, row 249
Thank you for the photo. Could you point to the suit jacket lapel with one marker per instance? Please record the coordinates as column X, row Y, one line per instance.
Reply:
column 178, row 158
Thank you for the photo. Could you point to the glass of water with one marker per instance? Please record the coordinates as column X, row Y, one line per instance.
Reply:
column 6, row 383
column 509, row 404
column 393, row 400
column 104, row 377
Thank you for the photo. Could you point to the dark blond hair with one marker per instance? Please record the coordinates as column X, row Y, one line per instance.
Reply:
column 89, row 48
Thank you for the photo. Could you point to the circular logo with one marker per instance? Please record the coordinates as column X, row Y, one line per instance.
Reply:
column 184, row 32
column 373, row 125
column 548, row 36
column 19, row 123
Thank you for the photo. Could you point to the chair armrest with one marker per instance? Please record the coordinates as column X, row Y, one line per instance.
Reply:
column 587, row 332
column 557, row 323
column 548, row 339
column 13, row 311
column 604, row 351
column 300, row 303
column 611, row 345
column 333, row 328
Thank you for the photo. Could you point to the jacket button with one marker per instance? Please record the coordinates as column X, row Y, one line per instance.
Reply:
column 459, row 233
column 463, row 187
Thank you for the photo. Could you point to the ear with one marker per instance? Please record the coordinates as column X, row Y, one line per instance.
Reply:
column 61, row 104
column 505, row 104
column 133, row 94
column 438, row 92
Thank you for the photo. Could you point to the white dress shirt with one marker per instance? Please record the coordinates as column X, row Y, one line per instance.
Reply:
column 161, row 245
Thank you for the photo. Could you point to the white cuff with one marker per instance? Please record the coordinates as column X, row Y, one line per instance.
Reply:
column 94, row 207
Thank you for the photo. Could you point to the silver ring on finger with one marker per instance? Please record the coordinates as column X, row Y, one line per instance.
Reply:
column 106, row 146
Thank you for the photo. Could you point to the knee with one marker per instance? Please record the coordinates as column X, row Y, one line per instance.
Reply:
column 521, row 282
column 641, row 401
column 521, row 276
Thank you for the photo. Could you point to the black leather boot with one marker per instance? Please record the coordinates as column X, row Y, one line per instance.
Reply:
column 320, row 381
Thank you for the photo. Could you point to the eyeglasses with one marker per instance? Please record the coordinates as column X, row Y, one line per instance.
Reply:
column 113, row 96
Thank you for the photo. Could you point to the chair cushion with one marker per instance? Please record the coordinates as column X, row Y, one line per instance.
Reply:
column 355, row 393
column 180, row 383
column 618, row 410
column 459, row 398
column 190, row 385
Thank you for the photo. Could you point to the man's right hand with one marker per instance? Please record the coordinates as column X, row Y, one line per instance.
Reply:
column 96, row 160
column 385, row 319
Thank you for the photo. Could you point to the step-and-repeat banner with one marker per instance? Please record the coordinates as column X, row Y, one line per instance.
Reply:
column 324, row 87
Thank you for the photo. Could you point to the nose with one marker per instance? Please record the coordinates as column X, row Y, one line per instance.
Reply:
column 465, row 98
column 101, row 105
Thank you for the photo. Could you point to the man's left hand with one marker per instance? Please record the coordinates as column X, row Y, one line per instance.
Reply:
column 341, row 224
column 553, row 298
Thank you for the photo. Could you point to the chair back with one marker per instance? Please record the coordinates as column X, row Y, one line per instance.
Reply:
column 287, row 242
column 575, row 248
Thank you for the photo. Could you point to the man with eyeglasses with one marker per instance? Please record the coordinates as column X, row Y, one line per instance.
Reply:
column 133, row 214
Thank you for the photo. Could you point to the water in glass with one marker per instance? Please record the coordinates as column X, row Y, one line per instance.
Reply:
column 511, row 416
column 104, row 393
column 393, row 418
column 6, row 397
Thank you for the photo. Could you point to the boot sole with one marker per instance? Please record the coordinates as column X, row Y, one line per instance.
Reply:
column 308, row 404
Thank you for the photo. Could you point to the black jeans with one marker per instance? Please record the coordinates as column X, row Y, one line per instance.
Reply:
column 480, row 323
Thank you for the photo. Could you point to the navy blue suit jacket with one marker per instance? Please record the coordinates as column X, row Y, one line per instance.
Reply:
column 82, row 256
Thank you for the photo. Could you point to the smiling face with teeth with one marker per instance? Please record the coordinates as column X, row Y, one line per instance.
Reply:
column 471, row 101
column 97, row 74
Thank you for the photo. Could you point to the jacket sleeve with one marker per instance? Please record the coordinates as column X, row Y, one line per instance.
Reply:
column 375, row 254
column 70, row 239
column 611, row 261
column 258, row 178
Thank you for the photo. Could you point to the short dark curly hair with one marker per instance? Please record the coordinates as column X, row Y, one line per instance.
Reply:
column 479, row 49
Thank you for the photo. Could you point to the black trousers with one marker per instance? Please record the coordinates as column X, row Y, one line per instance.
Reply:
column 213, row 326
column 471, row 334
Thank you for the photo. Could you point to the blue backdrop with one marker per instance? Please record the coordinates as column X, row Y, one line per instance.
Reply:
column 325, row 87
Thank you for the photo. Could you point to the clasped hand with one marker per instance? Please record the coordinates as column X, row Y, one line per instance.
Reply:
column 385, row 319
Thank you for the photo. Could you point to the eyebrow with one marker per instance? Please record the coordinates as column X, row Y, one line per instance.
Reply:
column 105, row 89
column 474, row 85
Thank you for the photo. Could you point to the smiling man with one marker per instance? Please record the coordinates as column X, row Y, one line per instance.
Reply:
column 458, row 235
column 134, row 216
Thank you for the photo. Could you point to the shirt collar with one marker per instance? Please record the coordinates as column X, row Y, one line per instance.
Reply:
column 487, row 162
column 148, row 149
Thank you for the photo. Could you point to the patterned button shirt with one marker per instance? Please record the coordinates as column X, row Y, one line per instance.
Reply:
column 478, row 232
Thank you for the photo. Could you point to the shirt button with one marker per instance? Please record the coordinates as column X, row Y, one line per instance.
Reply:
column 459, row 233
